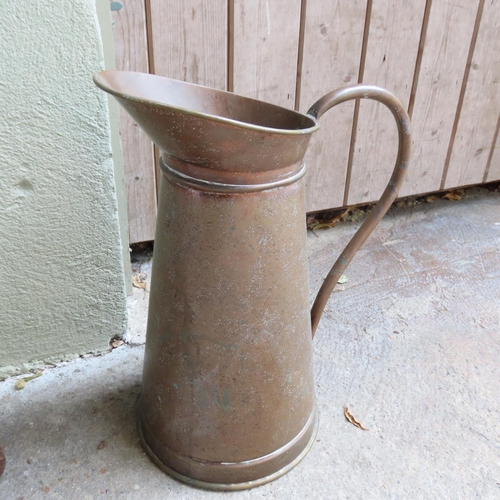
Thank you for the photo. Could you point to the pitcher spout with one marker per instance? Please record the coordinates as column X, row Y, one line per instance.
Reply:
column 209, row 128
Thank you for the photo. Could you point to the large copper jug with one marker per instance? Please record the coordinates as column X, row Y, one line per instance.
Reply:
column 227, row 397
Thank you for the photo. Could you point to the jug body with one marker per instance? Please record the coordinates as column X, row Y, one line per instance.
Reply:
column 227, row 397
column 228, row 394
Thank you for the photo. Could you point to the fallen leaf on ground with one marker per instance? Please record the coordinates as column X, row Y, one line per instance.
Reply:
column 117, row 343
column 453, row 196
column 352, row 420
column 21, row 383
column 332, row 222
column 324, row 225
column 102, row 445
column 431, row 199
column 138, row 284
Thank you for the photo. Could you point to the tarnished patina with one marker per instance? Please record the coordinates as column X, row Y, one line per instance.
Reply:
column 227, row 398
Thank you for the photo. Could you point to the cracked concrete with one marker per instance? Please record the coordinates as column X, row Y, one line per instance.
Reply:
column 411, row 344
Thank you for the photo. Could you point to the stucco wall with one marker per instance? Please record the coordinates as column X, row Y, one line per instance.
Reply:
column 62, row 283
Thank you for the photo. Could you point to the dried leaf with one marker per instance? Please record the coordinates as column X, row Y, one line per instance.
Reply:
column 352, row 420
column 138, row 284
column 20, row 384
column 36, row 375
column 324, row 225
column 453, row 196
column 102, row 445
column 332, row 222
column 431, row 199
column 117, row 343
column 343, row 279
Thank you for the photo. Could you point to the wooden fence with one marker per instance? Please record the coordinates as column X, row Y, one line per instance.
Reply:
column 440, row 57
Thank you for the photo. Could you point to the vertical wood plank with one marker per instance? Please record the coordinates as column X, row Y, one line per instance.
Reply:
column 481, row 105
column 190, row 40
column 266, row 37
column 493, row 173
column 333, row 37
column 449, row 32
column 393, row 43
column 131, row 54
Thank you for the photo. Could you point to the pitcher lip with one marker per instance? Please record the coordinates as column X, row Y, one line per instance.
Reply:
column 221, row 119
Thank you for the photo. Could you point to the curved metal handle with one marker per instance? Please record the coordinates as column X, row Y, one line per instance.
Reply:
column 403, row 122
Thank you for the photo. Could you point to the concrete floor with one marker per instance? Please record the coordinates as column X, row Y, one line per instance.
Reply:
column 411, row 343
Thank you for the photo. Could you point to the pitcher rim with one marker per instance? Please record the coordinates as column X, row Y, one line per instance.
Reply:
column 208, row 116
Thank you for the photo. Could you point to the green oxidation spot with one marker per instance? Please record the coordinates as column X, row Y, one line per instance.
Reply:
column 116, row 6
column 225, row 402
column 202, row 402
column 232, row 228
column 187, row 337
column 165, row 337
column 176, row 386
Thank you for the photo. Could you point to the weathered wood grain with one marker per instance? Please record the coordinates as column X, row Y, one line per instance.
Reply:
column 449, row 32
column 266, row 38
column 331, row 55
column 190, row 40
column 393, row 42
column 131, row 54
column 292, row 53
column 481, row 105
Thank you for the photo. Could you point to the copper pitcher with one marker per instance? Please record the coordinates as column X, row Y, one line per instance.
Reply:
column 227, row 398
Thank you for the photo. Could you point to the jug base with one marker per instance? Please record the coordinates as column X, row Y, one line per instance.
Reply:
column 229, row 477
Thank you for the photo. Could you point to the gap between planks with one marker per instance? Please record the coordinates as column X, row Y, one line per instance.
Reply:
column 420, row 53
column 462, row 93
column 300, row 53
column 492, row 151
column 151, row 70
column 230, row 46
column 364, row 49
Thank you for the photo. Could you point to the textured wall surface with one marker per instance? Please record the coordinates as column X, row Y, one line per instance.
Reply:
column 62, row 285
